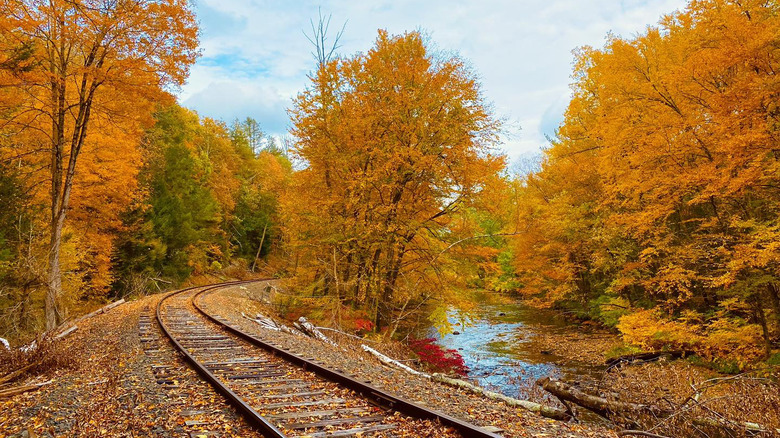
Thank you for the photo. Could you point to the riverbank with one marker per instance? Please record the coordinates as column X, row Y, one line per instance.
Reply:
column 509, row 346
column 587, row 344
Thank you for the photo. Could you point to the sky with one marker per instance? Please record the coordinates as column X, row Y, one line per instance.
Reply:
column 256, row 58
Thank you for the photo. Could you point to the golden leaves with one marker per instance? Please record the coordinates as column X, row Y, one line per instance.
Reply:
column 661, row 185
column 396, row 142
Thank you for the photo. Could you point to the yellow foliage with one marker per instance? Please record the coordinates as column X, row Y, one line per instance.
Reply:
column 661, row 184
column 398, row 148
column 721, row 337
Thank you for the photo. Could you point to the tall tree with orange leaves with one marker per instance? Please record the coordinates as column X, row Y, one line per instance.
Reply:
column 657, row 205
column 396, row 143
column 72, row 66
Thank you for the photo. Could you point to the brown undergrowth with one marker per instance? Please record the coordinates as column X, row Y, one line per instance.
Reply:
column 698, row 401
column 44, row 356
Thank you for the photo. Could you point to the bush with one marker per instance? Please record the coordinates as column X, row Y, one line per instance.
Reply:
column 438, row 358
column 363, row 325
column 48, row 356
column 608, row 310
column 720, row 338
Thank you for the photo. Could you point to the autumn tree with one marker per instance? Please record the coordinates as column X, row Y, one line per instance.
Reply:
column 656, row 206
column 80, row 64
column 396, row 143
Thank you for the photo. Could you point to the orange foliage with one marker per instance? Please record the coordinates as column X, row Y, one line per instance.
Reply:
column 395, row 142
column 77, row 83
column 661, row 187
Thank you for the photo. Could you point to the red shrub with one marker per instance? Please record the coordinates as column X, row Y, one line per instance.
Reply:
column 363, row 325
column 438, row 358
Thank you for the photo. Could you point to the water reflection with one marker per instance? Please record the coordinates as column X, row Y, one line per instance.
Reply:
column 498, row 348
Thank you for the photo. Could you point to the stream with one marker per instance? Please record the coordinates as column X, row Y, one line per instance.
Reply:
column 497, row 346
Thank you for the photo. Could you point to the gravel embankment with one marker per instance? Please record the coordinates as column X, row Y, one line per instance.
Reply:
column 109, row 388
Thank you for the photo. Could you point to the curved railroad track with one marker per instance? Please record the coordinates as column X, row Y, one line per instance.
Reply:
column 281, row 393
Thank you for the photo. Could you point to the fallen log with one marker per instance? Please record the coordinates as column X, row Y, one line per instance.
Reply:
column 599, row 405
column 262, row 322
column 630, row 411
column 345, row 334
column 70, row 330
column 112, row 305
column 22, row 389
column 312, row 331
column 68, row 327
column 384, row 359
column 545, row 411
column 5, row 343
column 270, row 324
column 103, row 309
column 540, row 409
column 647, row 357
column 286, row 329
column 14, row 374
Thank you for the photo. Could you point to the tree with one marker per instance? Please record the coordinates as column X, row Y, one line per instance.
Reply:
column 395, row 142
column 323, row 50
column 82, row 61
column 248, row 131
column 659, row 196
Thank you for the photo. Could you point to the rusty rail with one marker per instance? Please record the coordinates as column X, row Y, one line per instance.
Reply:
column 239, row 403
column 370, row 393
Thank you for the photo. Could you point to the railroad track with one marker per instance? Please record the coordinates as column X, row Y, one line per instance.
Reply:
column 283, row 394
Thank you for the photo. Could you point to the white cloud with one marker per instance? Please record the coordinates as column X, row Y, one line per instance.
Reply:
column 256, row 58
column 237, row 100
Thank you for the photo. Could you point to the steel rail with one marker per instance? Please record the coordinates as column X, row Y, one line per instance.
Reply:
column 239, row 403
column 372, row 393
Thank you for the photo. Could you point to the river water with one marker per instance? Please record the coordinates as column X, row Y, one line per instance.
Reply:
column 497, row 344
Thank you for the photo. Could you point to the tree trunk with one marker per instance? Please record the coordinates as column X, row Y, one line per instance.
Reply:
column 346, row 278
column 599, row 405
column 385, row 293
column 774, row 299
column 647, row 357
column 370, row 283
column 758, row 310
column 54, row 281
column 54, row 274
column 259, row 248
